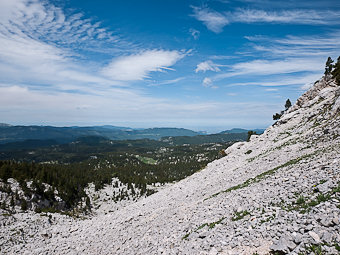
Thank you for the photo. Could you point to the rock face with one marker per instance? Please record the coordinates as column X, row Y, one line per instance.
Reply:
column 279, row 192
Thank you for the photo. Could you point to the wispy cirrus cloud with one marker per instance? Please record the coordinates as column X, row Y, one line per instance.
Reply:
column 139, row 66
column 308, row 17
column 270, row 67
column 216, row 21
column 40, row 44
column 44, row 69
column 302, row 46
column 167, row 82
column 45, row 22
column 280, row 81
column 286, row 61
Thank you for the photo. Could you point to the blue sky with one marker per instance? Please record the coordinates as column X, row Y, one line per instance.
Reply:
column 204, row 65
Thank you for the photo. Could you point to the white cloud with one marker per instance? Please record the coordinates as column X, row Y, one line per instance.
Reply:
column 281, row 81
column 272, row 67
column 216, row 21
column 19, row 102
column 309, row 17
column 194, row 33
column 45, row 77
column 139, row 66
column 45, row 22
column 38, row 44
column 271, row 89
column 207, row 66
column 293, row 46
column 232, row 94
column 166, row 82
column 208, row 83
column 285, row 61
column 213, row 20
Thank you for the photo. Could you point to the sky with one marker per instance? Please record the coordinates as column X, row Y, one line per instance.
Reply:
column 199, row 64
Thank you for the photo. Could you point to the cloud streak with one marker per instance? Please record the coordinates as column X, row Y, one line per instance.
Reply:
column 287, row 61
column 216, row 21
column 139, row 66
column 306, row 17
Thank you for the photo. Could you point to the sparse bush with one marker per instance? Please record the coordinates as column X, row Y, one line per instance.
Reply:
column 23, row 205
column 222, row 153
column 240, row 215
column 300, row 200
column 250, row 133
column 277, row 116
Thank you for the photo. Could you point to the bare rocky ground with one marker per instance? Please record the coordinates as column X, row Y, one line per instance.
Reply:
column 278, row 193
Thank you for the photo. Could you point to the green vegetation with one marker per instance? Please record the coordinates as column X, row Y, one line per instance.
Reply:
column 288, row 104
column 261, row 176
column 277, row 116
column 301, row 200
column 201, row 139
column 336, row 71
column 305, row 204
column 250, row 133
column 318, row 249
column 240, row 215
column 329, row 66
column 333, row 69
column 69, row 168
column 209, row 225
column 146, row 160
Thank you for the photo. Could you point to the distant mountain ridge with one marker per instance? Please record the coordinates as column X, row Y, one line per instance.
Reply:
column 10, row 134
column 4, row 125
column 241, row 130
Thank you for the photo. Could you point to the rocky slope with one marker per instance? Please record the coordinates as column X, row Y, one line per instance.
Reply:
column 277, row 193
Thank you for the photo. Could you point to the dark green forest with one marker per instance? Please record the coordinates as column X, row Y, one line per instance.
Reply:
column 67, row 169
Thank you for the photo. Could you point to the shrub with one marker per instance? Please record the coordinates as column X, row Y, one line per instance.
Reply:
column 250, row 133
column 23, row 205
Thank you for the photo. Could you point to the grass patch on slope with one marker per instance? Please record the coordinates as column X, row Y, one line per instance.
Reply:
column 262, row 176
column 305, row 204
column 209, row 225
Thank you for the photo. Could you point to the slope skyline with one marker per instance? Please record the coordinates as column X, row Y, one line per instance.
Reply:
column 194, row 64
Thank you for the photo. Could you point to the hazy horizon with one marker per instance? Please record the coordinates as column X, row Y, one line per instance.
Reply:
column 209, row 129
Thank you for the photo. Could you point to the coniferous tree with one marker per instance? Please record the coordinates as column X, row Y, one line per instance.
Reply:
column 277, row 116
column 329, row 66
column 288, row 104
column 336, row 71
